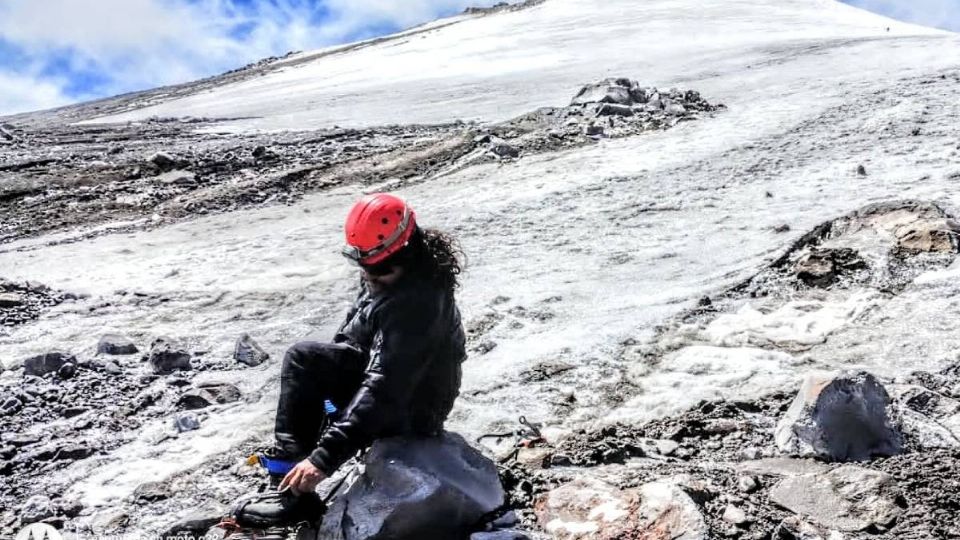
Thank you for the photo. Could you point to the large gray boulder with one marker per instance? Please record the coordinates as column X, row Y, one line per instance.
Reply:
column 40, row 365
column 437, row 488
column 166, row 357
column 605, row 91
column 36, row 508
column 840, row 417
column 116, row 344
column 848, row 498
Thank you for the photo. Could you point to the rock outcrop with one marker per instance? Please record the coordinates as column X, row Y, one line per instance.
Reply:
column 849, row 498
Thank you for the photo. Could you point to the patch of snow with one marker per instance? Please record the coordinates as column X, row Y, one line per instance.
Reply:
column 797, row 324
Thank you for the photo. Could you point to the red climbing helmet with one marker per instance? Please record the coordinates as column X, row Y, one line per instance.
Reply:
column 377, row 226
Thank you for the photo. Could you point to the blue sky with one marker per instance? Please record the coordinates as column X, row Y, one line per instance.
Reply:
column 54, row 52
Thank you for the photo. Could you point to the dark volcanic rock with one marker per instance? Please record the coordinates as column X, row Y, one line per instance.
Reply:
column 613, row 109
column 50, row 362
column 164, row 161
column 151, row 492
column 116, row 344
column 196, row 524
column 10, row 405
column 247, row 351
column 437, row 487
column 166, row 357
column 209, row 394
column 8, row 300
column 70, row 412
column 594, row 129
column 823, row 267
column 504, row 150
column 67, row 371
column 843, row 417
column 56, row 451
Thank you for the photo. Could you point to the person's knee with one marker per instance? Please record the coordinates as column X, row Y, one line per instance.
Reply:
column 307, row 355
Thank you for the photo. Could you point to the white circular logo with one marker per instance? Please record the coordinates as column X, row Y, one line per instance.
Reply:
column 39, row 531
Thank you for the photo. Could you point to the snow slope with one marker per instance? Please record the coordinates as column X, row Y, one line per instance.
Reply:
column 573, row 254
column 495, row 67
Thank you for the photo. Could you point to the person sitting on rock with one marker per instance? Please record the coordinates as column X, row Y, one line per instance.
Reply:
column 393, row 368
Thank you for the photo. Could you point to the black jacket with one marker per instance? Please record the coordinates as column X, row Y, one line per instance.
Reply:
column 415, row 341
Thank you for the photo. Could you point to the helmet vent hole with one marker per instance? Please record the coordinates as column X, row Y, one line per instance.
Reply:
column 399, row 213
column 379, row 237
column 384, row 221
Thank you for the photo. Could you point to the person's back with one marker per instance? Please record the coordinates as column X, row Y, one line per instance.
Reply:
column 434, row 396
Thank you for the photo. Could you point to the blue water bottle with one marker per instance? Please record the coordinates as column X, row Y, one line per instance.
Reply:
column 332, row 412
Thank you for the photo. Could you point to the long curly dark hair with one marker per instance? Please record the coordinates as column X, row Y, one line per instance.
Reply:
column 435, row 256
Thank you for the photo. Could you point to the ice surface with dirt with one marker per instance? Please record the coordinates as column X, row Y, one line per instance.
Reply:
column 571, row 254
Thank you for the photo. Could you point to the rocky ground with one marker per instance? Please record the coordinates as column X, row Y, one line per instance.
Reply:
column 62, row 408
column 722, row 469
column 65, row 177
column 723, row 457
column 501, row 7
column 61, row 178
column 738, row 469
column 23, row 302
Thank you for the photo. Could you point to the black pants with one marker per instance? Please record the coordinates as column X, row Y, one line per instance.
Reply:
column 313, row 372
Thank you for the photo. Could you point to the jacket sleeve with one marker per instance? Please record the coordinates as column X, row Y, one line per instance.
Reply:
column 397, row 363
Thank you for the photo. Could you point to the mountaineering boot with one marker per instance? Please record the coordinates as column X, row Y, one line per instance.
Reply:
column 272, row 508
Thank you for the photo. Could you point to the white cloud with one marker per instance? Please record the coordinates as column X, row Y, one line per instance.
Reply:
column 936, row 13
column 26, row 93
column 141, row 44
